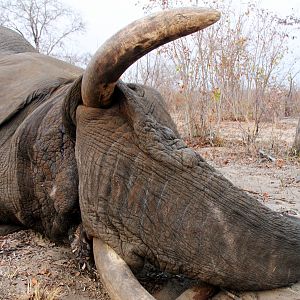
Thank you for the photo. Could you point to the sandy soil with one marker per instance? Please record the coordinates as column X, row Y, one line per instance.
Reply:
column 30, row 263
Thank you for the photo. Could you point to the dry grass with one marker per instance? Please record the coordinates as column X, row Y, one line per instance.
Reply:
column 38, row 292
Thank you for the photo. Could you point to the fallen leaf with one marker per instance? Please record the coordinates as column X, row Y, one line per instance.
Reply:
column 279, row 163
column 34, row 281
column 43, row 272
column 266, row 196
column 83, row 266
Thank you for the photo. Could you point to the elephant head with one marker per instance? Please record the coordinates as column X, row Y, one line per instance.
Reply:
column 149, row 197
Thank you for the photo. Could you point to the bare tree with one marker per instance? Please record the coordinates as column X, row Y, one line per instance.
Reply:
column 296, row 146
column 235, row 69
column 47, row 24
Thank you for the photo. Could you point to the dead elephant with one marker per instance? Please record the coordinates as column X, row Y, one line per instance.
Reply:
column 82, row 146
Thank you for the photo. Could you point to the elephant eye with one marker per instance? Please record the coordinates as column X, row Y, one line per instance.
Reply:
column 136, row 88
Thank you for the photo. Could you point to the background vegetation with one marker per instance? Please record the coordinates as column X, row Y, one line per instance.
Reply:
column 240, row 69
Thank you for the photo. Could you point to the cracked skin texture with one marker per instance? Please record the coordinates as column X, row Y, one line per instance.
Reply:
column 125, row 172
column 38, row 172
column 155, row 198
column 39, row 178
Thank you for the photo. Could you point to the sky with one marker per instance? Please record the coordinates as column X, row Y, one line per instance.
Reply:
column 106, row 17
column 103, row 19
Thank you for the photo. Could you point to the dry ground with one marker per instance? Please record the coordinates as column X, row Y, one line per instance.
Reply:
column 30, row 263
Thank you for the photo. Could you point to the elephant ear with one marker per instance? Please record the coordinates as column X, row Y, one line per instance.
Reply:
column 71, row 102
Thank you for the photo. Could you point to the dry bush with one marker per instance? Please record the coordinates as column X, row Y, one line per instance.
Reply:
column 38, row 292
column 233, row 70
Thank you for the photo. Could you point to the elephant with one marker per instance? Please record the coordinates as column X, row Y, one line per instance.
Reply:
column 83, row 147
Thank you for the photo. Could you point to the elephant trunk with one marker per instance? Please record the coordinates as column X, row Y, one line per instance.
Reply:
column 225, row 237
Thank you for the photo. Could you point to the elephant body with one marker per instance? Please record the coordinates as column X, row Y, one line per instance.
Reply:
column 112, row 159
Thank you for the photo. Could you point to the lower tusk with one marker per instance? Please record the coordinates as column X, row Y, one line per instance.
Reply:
column 115, row 274
column 203, row 293
column 120, row 282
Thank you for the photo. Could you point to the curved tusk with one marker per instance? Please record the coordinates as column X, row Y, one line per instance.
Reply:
column 203, row 293
column 115, row 274
column 120, row 282
column 134, row 41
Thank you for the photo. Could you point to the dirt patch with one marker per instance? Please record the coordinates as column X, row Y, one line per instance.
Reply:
column 274, row 182
column 31, row 263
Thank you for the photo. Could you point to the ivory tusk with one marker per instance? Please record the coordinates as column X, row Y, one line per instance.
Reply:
column 115, row 274
column 137, row 39
column 120, row 282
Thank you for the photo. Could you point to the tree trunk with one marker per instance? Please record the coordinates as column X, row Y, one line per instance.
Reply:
column 296, row 145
